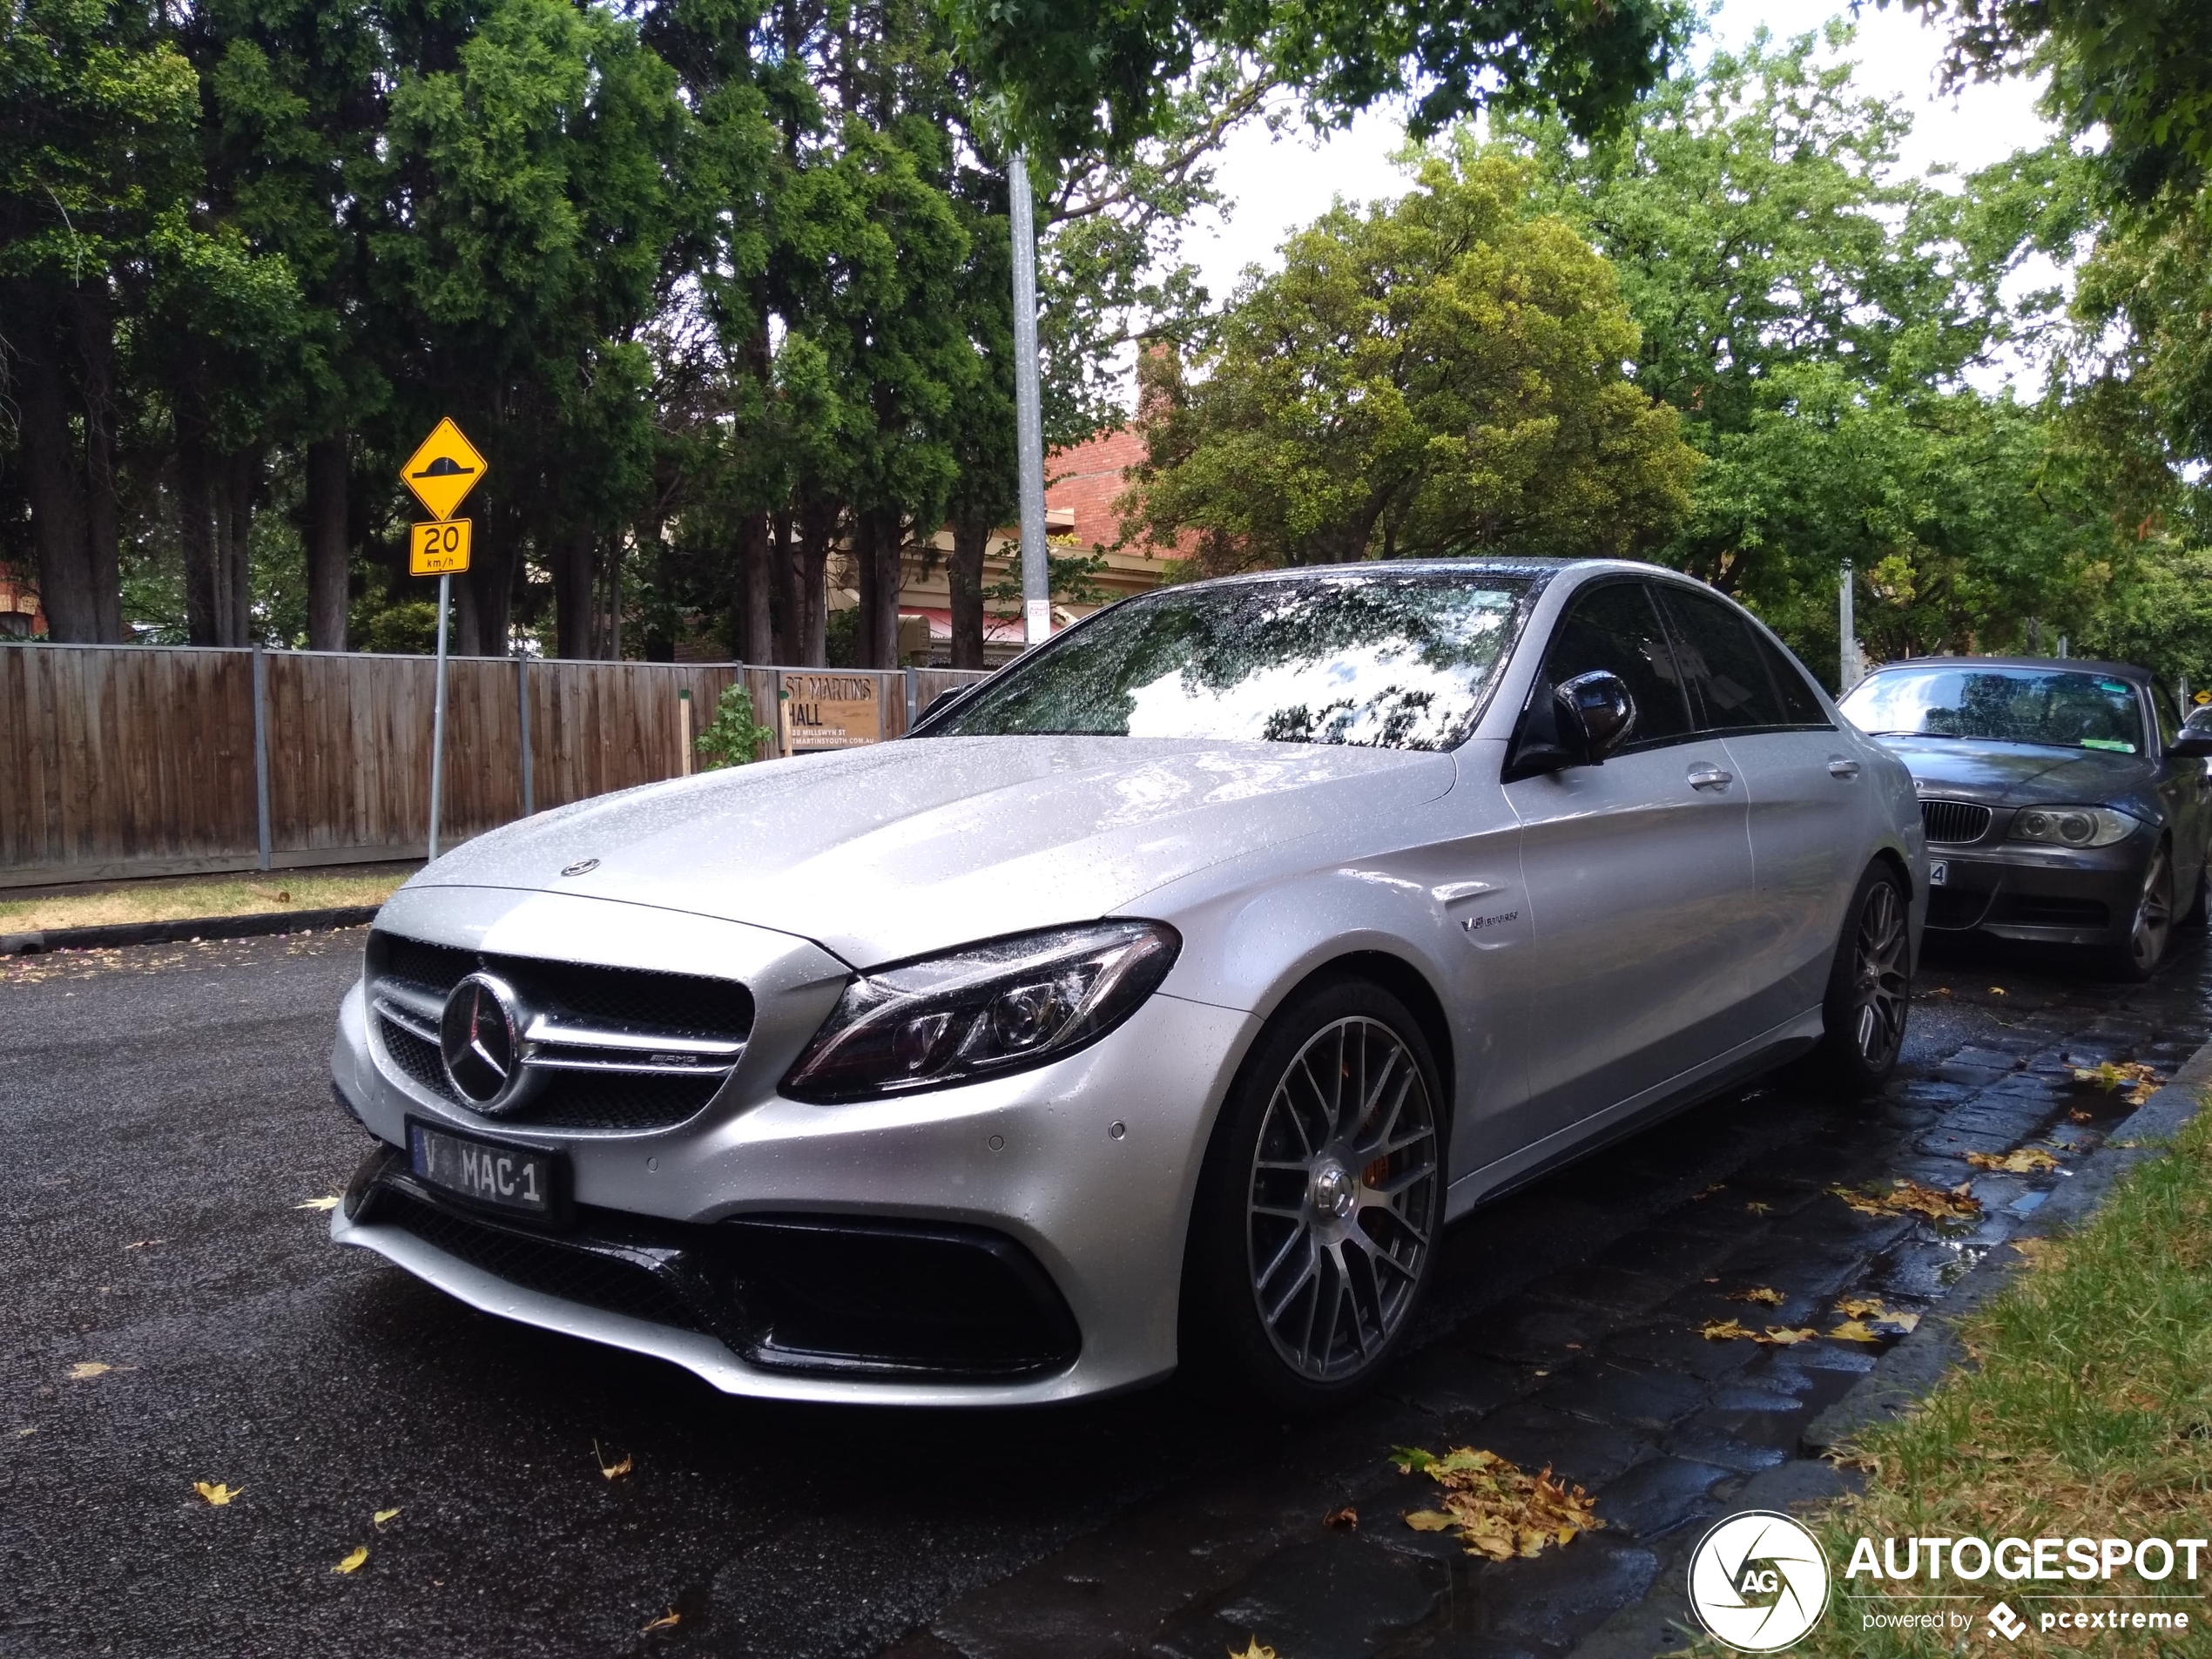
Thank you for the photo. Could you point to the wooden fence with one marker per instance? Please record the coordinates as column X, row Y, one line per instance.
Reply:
column 130, row 760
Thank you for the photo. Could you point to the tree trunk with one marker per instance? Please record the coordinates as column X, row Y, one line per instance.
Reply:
column 760, row 584
column 964, row 575
column 817, row 524
column 103, row 513
column 572, row 586
column 875, row 550
column 205, row 613
column 328, row 557
column 59, row 526
column 491, row 580
column 783, row 564
column 234, row 536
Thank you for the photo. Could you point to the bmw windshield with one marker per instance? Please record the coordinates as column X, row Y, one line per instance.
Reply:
column 2057, row 708
column 1399, row 661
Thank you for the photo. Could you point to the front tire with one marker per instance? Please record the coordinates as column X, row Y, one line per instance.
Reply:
column 1870, row 988
column 2150, row 929
column 1315, row 1231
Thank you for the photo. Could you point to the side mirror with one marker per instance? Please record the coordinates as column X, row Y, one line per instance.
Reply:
column 2195, row 739
column 1599, row 704
column 1574, row 724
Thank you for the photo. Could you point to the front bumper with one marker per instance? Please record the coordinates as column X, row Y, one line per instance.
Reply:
column 1084, row 1169
column 2041, row 896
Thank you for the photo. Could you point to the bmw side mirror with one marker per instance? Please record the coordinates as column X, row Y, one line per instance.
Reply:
column 1577, row 723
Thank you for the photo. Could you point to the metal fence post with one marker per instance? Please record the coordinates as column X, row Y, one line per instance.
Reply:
column 261, row 754
column 523, row 696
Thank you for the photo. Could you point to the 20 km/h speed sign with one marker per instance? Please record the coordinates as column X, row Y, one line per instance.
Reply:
column 439, row 547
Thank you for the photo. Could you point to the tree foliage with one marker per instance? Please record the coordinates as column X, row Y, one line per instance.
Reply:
column 1440, row 376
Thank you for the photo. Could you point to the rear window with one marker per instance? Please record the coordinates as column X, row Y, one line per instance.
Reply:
column 1401, row 661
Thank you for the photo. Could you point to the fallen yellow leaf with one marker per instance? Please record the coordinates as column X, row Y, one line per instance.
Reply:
column 352, row 1561
column 1853, row 1331
column 85, row 1370
column 1775, row 1336
column 1764, row 1295
column 1780, row 1336
column 1343, row 1518
column 1501, row 1511
column 318, row 1204
column 1254, row 1651
column 1911, row 1198
column 2026, row 1160
column 1722, row 1330
column 1997, row 990
column 383, row 1516
column 667, row 1621
column 612, row 1471
column 219, row 1494
column 1757, row 1209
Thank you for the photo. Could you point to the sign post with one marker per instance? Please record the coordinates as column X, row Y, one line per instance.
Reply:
column 440, row 472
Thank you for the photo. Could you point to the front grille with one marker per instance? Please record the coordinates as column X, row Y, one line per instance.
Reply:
column 798, row 1293
column 595, row 1031
column 1953, row 821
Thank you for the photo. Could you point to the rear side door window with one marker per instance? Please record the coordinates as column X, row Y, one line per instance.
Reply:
column 1730, row 686
column 1613, row 626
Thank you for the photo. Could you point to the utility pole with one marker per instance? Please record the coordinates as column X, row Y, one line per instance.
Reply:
column 1036, row 573
column 1850, row 672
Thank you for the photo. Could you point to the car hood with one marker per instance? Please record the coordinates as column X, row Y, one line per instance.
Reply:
column 2019, row 774
column 885, row 851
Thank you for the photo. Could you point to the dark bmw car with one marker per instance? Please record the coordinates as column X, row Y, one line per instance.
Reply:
column 2063, row 801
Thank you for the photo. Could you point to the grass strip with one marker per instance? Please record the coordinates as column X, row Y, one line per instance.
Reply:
column 194, row 896
column 2087, row 1413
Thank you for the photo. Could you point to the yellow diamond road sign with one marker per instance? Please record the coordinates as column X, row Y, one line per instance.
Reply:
column 444, row 469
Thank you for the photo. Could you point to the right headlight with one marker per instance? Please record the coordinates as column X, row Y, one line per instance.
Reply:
column 2073, row 826
column 983, row 1011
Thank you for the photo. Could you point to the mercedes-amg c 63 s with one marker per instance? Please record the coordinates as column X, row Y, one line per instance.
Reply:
column 1162, row 997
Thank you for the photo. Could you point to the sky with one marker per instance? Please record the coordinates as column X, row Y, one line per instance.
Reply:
column 1280, row 183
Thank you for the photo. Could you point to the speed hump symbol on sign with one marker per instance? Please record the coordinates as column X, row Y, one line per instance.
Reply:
column 444, row 469
column 439, row 547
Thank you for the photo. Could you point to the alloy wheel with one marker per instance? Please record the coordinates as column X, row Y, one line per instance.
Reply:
column 1880, row 985
column 1344, row 1199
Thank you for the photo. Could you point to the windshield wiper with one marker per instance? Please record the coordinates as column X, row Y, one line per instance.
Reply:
column 1912, row 734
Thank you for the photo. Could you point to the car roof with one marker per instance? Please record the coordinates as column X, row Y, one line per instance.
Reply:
column 2075, row 664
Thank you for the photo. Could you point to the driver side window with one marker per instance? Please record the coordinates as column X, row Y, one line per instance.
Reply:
column 1613, row 625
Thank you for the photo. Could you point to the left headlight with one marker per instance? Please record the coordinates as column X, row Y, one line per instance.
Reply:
column 2073, row 826
column 981, row 1010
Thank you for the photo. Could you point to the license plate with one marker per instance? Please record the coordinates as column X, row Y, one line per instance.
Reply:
column 1940, row 874
column 519, row 1178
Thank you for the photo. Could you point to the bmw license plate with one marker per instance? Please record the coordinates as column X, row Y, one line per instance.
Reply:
column 519, row 1178
column 1940, row 874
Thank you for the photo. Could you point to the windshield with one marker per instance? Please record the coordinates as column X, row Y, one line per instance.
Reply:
column 2051, row 706
column 1392, row 662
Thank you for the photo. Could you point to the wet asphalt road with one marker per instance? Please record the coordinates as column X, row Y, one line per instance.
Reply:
column 163, row 1112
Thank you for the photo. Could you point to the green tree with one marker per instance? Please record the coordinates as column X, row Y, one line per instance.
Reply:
column 96, row 162
column 1075, row 77
column 1441, row 376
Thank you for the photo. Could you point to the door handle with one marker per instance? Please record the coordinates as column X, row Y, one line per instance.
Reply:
column 1842, row 768
column 1706, row 775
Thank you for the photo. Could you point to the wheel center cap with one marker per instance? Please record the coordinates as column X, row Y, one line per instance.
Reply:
column 1335, row 1193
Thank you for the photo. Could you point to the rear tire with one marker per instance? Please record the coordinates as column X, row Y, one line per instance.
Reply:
column 2138, row 955
column 1315, row 1231
column 1870, row 988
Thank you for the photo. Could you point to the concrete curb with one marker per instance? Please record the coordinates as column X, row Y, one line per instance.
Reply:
column 170, row 933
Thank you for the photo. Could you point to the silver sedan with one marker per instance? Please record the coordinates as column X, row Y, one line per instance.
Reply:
column 1159, row 1001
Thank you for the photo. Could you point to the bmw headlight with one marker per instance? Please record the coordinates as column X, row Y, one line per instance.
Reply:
column 983, row 1011
column 2073, row 826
